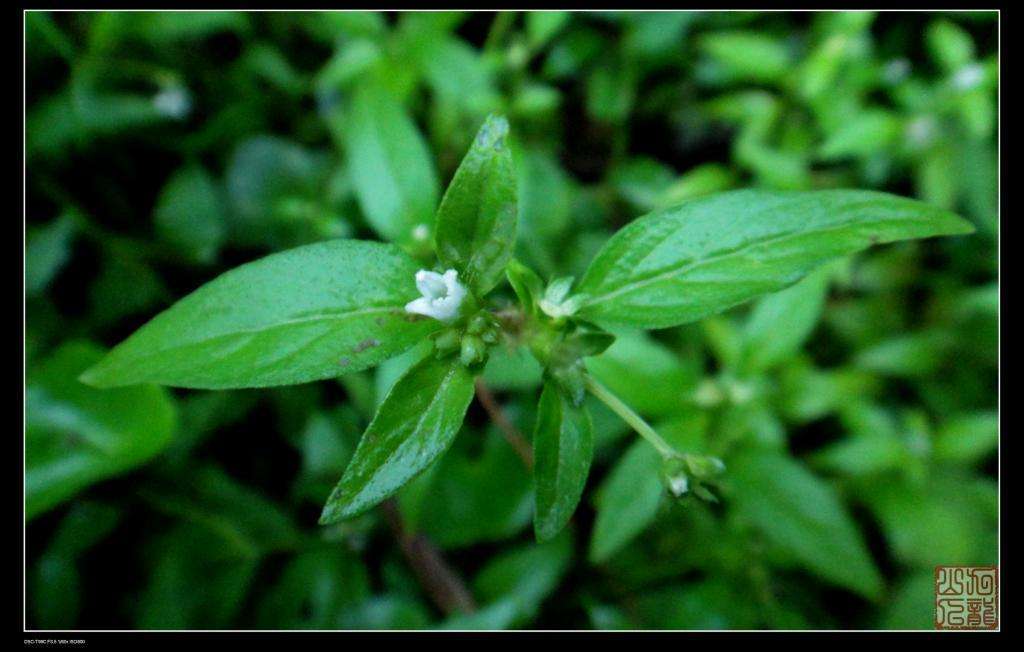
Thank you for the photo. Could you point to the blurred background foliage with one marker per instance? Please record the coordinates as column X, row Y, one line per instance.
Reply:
column 856, row 411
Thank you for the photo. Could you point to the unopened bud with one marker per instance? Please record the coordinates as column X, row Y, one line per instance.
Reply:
column 473, row 350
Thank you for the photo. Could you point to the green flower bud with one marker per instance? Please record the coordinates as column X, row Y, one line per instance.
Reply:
column 447, row 341
column 473, row 350
column 704, row 467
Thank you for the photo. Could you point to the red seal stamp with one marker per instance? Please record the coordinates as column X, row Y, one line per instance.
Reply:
column 966, row 597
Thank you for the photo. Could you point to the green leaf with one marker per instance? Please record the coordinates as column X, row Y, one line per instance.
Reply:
column 244, row 521
column 748, row 55
column 477, row 496
column 526, row 574
column 803, row 516
column 545, row 196
column 940, row 521
column 679, row 265
column 527, row 285
column 563, row 448
column 392, row 169
column 541, row 26
column 497, row 615
column 644, row 373
column 76, row 435
column 125, row 286
column 190, row 214
column 185, row 558
column 611, row 90
column 912, row 355
column 968, row 438
column 454, row 70
column 627, row 500
column 780, row 323
column 274, row 189
column 415, row 424
column 476, row 223
column 912, row 604
column 55, row 589
column 86, row 524
column 56, row 592
column 312, row 312
column 315, row 588
column 512, row 368
column 863, row 135
column 47, row 250
column 949, row 44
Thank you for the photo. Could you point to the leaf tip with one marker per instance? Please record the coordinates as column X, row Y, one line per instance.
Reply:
column 94, row 377
column 493, row 132
column 960, row 226
column 544, row 531
column 331, row 514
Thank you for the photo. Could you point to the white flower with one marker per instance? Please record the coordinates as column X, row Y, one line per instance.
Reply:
column 421, row 233
column 173, row 101
column 678, row 485
column 442, row 295
column 968, row 77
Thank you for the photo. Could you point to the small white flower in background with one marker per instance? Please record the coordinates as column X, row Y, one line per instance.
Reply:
column 421, row 233
column 173, row 102
column 896, row 70
column 968, row 77
column 921, row 131
column 442, row 295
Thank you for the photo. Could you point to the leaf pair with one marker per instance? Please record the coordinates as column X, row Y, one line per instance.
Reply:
column 331, row 308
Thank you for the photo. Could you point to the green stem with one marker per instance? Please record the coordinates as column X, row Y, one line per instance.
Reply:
column 629, row 416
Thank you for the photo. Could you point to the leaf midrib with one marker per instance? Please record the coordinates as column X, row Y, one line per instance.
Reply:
column 271, row 327
column 677, row 271
column 441, row 388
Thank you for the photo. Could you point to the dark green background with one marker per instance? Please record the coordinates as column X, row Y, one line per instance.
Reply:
column 165, row 148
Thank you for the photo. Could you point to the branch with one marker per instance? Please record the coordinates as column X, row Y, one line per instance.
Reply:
column 437, row 578
column 508, row 429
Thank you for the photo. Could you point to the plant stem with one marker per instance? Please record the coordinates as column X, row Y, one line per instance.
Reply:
column 627, row 414
column 507, row 428
column 439, row 580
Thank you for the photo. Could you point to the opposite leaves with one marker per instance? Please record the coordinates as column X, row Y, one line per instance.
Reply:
column 682, row 264
column 414, row 425
column 476, row 223
column 309, row 313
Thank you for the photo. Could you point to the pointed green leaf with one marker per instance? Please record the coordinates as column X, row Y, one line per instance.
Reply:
column 685, row 263
column 527, row 285
column 391, row 167
column 627, row 501
column 563, row 448
column 780, row 323
column 414, row 425
column 476, row 223
column 76, row 435
column 190, row 214
column 309, row 313
column 47, row 250
column 803, row 516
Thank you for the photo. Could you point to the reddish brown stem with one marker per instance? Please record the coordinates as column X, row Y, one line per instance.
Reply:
column 507, row 428
column 444, row 586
